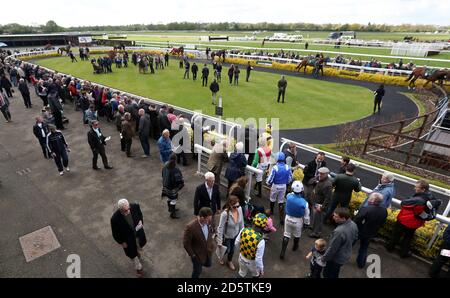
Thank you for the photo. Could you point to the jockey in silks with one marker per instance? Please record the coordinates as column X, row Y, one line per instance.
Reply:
column 279, row 177
column 261, row 161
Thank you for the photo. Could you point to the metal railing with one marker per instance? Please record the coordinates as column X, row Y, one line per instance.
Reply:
column 205, row 152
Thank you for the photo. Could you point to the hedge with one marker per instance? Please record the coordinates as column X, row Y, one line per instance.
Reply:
column 332, row 72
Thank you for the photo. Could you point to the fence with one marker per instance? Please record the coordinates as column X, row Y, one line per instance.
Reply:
column 394, row 135
column 203, row 155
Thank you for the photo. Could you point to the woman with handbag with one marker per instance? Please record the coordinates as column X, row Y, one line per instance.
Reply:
column 230, row 224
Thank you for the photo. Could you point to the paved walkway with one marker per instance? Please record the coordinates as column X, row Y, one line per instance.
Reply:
column 78, row 207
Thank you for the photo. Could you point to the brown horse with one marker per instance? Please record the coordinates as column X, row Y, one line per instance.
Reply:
column 177, row 51
column 316, row 62
column 421, row 72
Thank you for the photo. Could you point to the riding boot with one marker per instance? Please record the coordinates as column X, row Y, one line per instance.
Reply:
column 259, row 187
column 283, row 247
column 295, row 247
column 168, row 206
column 272, row 205
column 281, row 209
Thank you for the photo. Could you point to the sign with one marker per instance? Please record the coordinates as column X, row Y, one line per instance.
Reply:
column 84, row 39
column 219, row 111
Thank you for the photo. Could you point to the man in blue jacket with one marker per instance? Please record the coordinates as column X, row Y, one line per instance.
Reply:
column 386, row 187
column 279, row 177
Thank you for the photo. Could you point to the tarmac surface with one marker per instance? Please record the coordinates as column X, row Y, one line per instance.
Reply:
column 78, row 206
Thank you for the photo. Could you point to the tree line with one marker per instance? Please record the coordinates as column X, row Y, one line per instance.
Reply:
column 52, row 27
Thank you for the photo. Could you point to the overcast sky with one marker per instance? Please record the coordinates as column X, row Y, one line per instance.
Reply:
column 119, row 12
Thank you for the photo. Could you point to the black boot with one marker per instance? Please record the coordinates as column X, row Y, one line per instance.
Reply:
column 272, row 205
column 283, row 247
column 281, row 210
column 295, row 247
column 173, row 213
column 168, row 206
column 258, row 186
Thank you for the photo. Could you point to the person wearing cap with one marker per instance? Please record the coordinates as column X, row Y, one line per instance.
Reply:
column 127, row 225
column 251, row 247
column 386, row 187
column 297, row 213
column 58, row 148
column 261, row 161
column 279, row 177
column 321, row 198
column 369, row 220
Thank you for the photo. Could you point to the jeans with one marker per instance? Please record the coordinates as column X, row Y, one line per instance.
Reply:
column 229, row 243
column 362, row 253
column 61, row 156
column 332, row 270
column 145, row 144
column 198, row 266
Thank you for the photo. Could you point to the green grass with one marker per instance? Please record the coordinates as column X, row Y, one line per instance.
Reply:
column 309, row 102
column 192, row 37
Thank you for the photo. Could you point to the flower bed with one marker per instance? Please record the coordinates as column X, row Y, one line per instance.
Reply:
column 421, row 237
column 333, row 72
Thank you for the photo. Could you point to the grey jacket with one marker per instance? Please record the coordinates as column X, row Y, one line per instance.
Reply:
column 233, row 228
column 340, row 244
column 323, row 192
column 144, row 125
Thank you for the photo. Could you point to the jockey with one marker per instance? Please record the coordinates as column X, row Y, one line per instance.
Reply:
column 251, row 247
column 261, row 161
column 279, row 177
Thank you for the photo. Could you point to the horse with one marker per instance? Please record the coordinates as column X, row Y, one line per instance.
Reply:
column 65, row 49
column 177, row 51
column 315, row 62
column 421, row 72
column 220, row 54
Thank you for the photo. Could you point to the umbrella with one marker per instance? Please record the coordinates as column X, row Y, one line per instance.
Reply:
column 2, row 44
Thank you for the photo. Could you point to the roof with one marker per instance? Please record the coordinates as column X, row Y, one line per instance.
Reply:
column 47, row 34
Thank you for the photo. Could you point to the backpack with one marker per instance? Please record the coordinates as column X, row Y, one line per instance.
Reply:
column 430, row 211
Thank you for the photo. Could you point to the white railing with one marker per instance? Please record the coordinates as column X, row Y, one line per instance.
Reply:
column 385, row 71
column 249, row 170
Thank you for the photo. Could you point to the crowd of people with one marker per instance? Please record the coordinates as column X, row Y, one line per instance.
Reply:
column 321, row 199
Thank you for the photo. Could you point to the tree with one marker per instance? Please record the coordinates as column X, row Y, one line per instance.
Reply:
column 51, row 26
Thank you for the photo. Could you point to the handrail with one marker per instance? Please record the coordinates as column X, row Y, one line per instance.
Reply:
column 249, row 170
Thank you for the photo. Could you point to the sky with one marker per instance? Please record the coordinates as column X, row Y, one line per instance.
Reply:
column 69, row 13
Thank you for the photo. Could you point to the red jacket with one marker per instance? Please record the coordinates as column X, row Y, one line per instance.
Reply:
column 411, row 208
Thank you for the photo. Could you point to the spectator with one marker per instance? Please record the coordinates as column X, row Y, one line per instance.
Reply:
column 379, row 93
column 97, row 142
column 237, row 164
column 165, row 146
column 144, row 132
column 237, row 71
column 127, row 225
column 58, row 148
column 40, row 130
column 369, row 220
column 339, row 250
column 194, row 70
column 344, row 185
column 311, row 171
column 282, row 85
column 316, row 256
column 386, row 188
column 173, row 182
column 4, row 107
column 198, row 241
column 207, row 194
column 205, row 74
column 216, row 160
column 23, row 88
column 249, row 69
column 321, row 199
column 230, row 224
column 408, row 220
column 128, row 132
